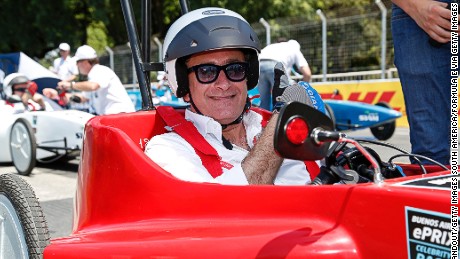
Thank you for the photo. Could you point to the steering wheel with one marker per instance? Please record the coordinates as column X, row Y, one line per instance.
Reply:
column 346, row 165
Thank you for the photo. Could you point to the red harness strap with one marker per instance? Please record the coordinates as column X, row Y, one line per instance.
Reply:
column 177, row 123
column 210, row 159
column 312, row 168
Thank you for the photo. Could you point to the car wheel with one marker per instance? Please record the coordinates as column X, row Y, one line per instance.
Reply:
column 23, row 146
column 23, row 225
column 330, row 113
column 386, row 130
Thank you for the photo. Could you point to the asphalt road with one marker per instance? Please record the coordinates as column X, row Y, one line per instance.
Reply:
column 55, row 184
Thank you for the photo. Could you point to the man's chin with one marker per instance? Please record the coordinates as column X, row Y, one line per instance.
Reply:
column 226, row 118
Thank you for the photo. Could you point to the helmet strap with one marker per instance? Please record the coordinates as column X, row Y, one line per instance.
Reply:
column 247, row 106
column 193, row 104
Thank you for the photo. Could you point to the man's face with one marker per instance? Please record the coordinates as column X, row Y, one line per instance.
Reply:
column 20, row 89
column 83, row 66
column 64, row 53
column 223, row 99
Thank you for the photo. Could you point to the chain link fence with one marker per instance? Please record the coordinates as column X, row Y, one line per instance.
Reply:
column 354, row 44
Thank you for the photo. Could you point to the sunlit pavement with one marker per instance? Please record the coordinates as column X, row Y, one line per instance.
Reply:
column 55, row 184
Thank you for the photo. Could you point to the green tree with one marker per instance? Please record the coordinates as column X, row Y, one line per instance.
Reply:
column 36, row 26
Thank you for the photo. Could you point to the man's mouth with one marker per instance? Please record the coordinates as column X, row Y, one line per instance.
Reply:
column 226, row 97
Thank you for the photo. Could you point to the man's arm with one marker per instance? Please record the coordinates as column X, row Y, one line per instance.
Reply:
column 81, row 86
column 306, row 72
column 71, row 78
column 38, row 98
column 431, row 16
column 262, row 163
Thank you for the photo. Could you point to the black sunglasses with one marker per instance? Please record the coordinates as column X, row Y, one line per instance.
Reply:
column 208, row 73
column 22, row 90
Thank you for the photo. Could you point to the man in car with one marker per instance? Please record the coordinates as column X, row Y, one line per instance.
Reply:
column 212, row 61
column 21, row 94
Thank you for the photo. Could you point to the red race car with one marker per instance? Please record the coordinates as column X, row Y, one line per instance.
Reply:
column 129, row 207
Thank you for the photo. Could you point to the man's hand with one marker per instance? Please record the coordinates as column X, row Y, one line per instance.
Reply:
column 284, row 93
column 432, row 16
column 262, row 163
column 64, row 86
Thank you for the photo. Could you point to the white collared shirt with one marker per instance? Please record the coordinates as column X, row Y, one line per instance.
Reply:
column 64, row 68
column 178, row 157
column 111, row 96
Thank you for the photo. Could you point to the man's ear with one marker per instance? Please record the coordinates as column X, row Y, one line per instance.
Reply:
column 186, row 97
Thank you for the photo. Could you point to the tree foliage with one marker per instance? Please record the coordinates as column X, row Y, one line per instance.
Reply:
column 36, row 27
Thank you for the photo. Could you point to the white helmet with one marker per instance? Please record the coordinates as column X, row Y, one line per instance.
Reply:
column 13, row 79
column 206, row 29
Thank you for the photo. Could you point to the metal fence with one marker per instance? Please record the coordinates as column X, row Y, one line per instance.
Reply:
column 350, row 44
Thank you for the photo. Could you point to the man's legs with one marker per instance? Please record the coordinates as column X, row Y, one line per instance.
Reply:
column 266, row 84
column 424, row 72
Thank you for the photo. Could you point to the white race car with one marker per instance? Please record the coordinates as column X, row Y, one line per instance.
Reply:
column 43, row 136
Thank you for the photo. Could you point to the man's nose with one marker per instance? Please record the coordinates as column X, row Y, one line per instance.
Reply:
column 222, row 80
column 222, row 77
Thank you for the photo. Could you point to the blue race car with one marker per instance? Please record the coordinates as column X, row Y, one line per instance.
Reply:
column 351, row 115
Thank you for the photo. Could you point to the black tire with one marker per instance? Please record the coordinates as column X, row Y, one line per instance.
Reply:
column 23, row 146
column 330, row 113
column 386, row 130
column 24, row 223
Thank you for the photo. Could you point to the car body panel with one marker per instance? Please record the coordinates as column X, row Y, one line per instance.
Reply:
column 126, row 205
column 354, row 115
column 53, row 129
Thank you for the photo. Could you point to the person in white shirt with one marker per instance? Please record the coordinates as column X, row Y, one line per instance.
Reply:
column 66, row 69
column 65, row 66
column 286, row 52
column 211, row 57
column 103, row 89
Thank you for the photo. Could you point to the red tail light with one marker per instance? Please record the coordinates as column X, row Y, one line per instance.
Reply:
column 297, row 131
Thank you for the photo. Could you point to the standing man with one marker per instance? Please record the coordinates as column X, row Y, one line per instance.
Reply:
column 103, row 89
column 421, row 36
column 65, row 66
column 286, row 52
